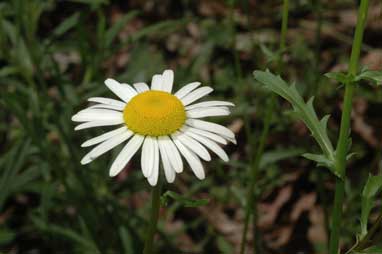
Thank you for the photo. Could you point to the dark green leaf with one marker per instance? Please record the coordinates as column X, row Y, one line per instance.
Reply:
column 66, row 25
column 187, row 202
column 277, row 155
column 126, row 240
column 340, row 77
column 117, row 27
column 370, row 190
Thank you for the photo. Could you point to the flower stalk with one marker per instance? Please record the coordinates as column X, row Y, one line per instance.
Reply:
column 343, row 141
column 154, row 215
column 251, row 201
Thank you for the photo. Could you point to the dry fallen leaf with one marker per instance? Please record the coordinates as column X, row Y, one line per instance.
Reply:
column 269, row 212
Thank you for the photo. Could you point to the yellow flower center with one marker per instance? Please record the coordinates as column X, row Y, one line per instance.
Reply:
column 154, row 113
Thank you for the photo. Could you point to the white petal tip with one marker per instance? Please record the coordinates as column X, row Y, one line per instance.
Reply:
column 168, row 71
column 85, row 144
column 152, row 183
column 109, row 81
column 85, row 161
column 201, row 177
column 112, row 174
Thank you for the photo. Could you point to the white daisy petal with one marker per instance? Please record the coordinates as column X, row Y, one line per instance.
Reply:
column 196, row 95
column 141, row 87
column 153, row 178
column 167, row 80
column 212, row 127
column 106, row 106
column 186, row 89
column 130, row 89
column 126, row 154
column 193, row 145
column 106, row 146
column 206, row 112
column 108, row 101
column 97, row 115
column 204, row 133
column 92, row 124
column 147, row 157
column 123, row 91
column 103, row 137
column 192, row 160
column 210, row 104
column 174, row 156
column 209, row 144
column 168, row 170
column 156, row 82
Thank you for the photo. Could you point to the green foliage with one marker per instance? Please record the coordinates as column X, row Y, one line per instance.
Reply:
column 371, row 250
column 187, row 202
column 373, row 77
column 372, row 187
column 306, row 113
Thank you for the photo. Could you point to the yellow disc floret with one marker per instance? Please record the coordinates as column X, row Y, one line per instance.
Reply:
column 154, row 113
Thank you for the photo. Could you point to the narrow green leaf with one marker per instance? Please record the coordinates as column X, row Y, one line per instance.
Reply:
column 277, row 155
column 67, row 233
column 126, row 240
column 112, row 32
column 67, row 24
column 370, row 190
column 187, row 202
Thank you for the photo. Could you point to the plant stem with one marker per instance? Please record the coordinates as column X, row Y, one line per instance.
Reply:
column 251, row 202
column 343, row 141
column 154, row 214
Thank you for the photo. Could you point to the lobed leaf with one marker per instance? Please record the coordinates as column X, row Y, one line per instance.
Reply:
column 306, row 113
column 374, row 77
column 370, row 190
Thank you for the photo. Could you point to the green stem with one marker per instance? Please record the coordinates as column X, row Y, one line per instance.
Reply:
column 251, row 202
column 154, row 214
column 343, row 141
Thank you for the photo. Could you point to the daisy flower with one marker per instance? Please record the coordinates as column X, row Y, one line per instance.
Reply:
column 167, row 126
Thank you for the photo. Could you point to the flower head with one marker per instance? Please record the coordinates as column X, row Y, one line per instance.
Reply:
column 167, row 126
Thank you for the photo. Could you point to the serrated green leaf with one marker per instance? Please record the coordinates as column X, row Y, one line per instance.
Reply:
column 321, row 160
column 305, row 112
column 370, row 190
column 373, row 185
column 187, row 202
column 269, row 54
column 340, row 77
column 372, row 76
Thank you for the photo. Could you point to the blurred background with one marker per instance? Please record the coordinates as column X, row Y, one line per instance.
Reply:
column 56, row 54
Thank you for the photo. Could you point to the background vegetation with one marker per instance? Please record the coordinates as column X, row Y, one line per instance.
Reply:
column 55, row 54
